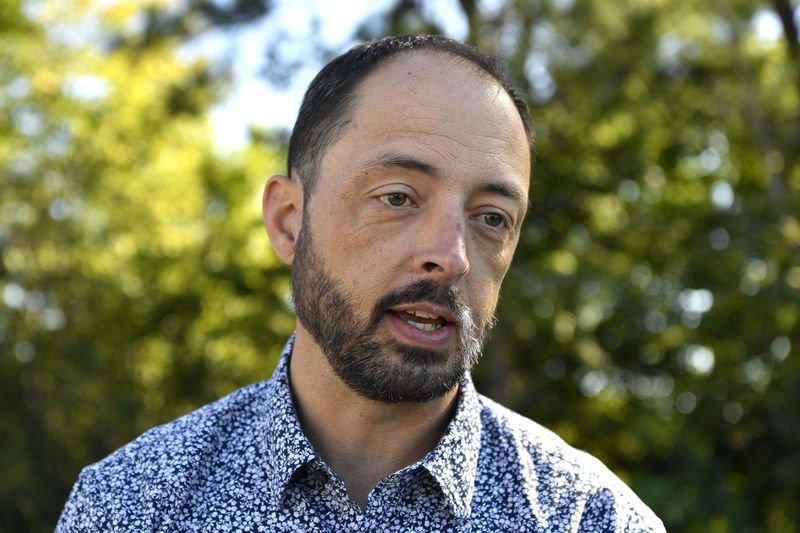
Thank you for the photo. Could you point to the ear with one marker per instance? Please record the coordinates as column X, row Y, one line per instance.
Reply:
column 282, row 209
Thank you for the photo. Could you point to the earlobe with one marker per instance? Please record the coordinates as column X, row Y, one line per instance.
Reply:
column 282, row 209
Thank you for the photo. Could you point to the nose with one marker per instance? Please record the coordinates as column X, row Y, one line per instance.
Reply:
column 442, row 255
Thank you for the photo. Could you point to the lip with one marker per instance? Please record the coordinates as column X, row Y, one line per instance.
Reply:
column 429, row 308
column 411, row 335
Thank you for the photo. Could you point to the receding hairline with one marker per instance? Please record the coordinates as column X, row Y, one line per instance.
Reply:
column 351, row 99
column 444, row 54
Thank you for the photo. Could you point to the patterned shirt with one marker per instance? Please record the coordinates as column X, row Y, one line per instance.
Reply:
column 244, row 464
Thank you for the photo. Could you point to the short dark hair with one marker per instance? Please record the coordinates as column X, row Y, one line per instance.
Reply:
column 328, row 102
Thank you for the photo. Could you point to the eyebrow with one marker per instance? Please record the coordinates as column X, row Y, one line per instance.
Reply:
column 403, row 161
column 507, row 191
column 394, row 160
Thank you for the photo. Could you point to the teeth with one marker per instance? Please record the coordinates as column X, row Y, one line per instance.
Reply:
column 421, row 314
column 424, row 327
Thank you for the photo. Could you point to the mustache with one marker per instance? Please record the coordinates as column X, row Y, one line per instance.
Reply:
column 448, row 297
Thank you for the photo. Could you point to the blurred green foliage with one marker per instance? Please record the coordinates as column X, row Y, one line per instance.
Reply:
column 137, row 280
column 650, row 317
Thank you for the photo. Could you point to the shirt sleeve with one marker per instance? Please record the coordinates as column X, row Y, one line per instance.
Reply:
column 604, row 512
column 77, row 511
column 599, row 513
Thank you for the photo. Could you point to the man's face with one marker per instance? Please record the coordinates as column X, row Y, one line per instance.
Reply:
column 411, row 228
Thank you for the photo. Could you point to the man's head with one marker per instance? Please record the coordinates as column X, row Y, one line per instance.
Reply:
column 420, row 178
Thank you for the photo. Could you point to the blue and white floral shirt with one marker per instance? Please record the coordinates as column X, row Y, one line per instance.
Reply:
column 243, row 464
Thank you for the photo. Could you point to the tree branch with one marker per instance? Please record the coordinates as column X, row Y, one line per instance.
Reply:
column 785, row 12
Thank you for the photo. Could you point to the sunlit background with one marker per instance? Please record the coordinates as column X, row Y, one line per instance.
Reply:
column 651, row 316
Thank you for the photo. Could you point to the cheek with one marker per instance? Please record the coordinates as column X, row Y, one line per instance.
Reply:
column 490, row 260
column 485, row 294
column 485, row 280
column 356, row 253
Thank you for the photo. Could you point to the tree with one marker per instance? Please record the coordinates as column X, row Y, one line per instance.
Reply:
column 137, row 281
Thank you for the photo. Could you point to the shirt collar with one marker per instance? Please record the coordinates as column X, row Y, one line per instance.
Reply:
column 453, row 462
column 286, row 447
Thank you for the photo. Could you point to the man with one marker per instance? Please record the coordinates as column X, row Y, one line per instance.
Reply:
column 409, row 169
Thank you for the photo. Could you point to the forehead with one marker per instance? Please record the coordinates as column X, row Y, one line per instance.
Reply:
column 435, row 105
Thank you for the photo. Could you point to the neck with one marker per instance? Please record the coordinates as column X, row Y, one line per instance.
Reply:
column 362, row 440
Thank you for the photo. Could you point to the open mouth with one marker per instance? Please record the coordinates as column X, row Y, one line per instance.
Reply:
column 422, row 320
column 422, row 325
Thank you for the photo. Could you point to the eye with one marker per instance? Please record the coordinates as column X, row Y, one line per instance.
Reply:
column 395, row 199
column 494, row 220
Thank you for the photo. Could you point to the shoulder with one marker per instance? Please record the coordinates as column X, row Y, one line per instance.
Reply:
column 157, row 470
column 558, row 478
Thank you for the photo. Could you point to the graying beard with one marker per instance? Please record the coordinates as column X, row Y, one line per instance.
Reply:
column 472, row 336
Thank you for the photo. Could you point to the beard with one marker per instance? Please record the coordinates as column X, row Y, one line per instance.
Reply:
column 385, row 371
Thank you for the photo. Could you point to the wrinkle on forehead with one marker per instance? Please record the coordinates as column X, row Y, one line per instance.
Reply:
column 449, row 155
column 501, row 151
